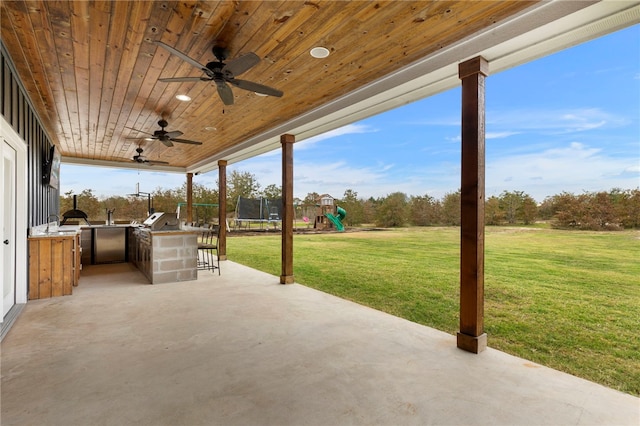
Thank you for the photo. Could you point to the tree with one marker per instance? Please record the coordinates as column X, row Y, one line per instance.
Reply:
column 529, row 210
column 311, row 198
column 241, row 184
column 546, row 209
column 451, row 206
column 423, row 210
column 392, row 211
column 517, row 207
column 272, row 191
column 353, row 206
column 509, row 204
column 493, row 214
column 629, row 209
column 369, row 208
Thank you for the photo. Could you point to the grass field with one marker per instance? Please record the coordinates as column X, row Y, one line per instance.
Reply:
column 569, row 300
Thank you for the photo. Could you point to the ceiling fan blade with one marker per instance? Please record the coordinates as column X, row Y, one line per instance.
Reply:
column 186, row 141
column 152, row 162
column 166, row 141
column 256, row 87
column 241, row 64
column 183, row 79
column 173, row 134
column 225, row 92
column 182, row 56
column 141, row 131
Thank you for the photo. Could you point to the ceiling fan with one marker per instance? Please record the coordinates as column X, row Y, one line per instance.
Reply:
column 165, row 137
column 141, row 159
column 221, row 73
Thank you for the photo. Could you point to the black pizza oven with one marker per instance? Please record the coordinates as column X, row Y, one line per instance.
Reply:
column 75, row 213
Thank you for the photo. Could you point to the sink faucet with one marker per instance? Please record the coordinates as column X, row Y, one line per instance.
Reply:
column 49, row 217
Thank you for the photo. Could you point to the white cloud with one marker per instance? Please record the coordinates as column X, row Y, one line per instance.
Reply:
column 345, row 130
column 574, row 168
column 552, row 121
column 498, row 135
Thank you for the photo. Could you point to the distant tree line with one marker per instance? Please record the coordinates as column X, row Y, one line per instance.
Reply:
column 616, row 209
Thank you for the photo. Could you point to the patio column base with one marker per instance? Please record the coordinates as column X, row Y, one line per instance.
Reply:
column 286, row 279
column 474, row 344
column 223, row 257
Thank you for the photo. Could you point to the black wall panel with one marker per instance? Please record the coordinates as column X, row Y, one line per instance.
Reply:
column 17, row 110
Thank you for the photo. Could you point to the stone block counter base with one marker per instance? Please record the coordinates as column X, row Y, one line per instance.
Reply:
column 165, row 256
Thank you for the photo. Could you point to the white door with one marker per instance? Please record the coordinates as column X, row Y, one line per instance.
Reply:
column 8, row 228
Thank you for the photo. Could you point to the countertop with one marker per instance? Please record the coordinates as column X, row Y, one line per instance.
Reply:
column 55, row 231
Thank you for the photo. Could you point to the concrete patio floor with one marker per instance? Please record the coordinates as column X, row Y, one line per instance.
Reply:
column 241, row 349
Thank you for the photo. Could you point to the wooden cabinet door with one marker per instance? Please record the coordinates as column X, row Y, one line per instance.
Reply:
column 51, row 267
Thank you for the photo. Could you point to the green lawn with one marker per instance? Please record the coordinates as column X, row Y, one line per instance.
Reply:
column 567, row 299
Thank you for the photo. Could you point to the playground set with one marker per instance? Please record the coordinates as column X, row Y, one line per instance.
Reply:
column 328, row 214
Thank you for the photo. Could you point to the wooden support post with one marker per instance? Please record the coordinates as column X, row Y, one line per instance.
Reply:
column 287, row 142
column 222, row 209
column 189, row 198
column 471, row 336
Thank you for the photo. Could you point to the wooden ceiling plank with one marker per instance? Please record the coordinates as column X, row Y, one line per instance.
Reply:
column 306, row 67
column 402, row 27
column 243, row 18
column 292, row 54
column 58, row 15
column 140, row 49
column 331, row 15
column 114, row 50
column 277, row 26
column 178, row 111
column 44, row 32
column 100, row 18
column 123, row 63
column 201, row 51
column 158, row 97
column 79, row 34
column 150, row 93
column 204, row 24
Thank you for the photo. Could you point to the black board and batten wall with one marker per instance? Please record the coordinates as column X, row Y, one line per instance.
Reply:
column 17, row 110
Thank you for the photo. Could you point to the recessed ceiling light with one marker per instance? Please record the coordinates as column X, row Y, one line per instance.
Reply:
column 210, row 128
column 319, row 52
column 183, row 98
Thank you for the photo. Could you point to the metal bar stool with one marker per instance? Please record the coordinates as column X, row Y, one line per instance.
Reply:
column 207, row 249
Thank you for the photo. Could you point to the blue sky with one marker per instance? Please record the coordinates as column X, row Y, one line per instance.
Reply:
column 566, row 122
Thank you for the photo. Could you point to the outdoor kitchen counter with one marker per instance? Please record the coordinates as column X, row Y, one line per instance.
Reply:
column 164, row 256
column 54, row 263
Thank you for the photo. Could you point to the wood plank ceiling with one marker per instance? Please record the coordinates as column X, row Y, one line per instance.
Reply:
column 92, row 67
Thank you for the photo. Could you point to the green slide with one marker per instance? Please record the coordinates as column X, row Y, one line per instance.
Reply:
column 338, row 218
